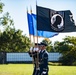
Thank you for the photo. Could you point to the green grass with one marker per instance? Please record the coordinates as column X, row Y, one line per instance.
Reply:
column 27, row 69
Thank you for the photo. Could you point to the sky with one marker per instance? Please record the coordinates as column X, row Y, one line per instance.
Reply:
column 18, row 12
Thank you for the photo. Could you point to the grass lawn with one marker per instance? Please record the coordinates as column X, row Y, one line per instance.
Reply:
column 27, row 69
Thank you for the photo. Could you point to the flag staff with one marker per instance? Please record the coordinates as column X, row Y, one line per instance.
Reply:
column 37, row 64
column 33, row 60
column 30, row 38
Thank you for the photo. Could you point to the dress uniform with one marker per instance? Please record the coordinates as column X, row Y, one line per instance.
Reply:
column 33, row 53
column 43, row 61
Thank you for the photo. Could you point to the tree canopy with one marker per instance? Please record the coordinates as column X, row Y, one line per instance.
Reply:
column 11, row 40
column 68, row 50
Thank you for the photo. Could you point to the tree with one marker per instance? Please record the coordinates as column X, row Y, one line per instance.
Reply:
column 5, row 20
column 14, row 41
column 1, row 7
column 11, row 40
column 49, row 43
column 68, row 49
column 56, row 46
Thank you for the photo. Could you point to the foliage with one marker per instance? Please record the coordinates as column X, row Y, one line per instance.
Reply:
column 14, row 41
column 56, row 46
column 49, row 48
column 1, row 7
column 11, row 40
column 6, row 20
column 74, row 63
column 68, row 49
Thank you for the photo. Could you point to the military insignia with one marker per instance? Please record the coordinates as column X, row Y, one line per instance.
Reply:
column 57, row 22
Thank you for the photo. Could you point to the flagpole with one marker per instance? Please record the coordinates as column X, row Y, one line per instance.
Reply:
column 30, row 39
column 33, row 39
column 37, row 41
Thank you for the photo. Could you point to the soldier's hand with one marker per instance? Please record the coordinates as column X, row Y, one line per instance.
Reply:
column 44, row 72
column 38, row 62
column 37, row 68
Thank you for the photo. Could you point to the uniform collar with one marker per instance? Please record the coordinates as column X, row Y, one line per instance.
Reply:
column 42, row 51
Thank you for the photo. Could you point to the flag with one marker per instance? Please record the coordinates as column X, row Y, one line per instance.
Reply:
column 34, row 22
column 55, row 21
column 45, row 34
column 30, row 24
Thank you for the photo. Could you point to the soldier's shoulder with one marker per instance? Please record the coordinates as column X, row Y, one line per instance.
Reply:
column 46, row 52
column 45, row 55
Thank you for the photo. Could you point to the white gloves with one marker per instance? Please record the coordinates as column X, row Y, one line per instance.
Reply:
column 36, row 49
column 37, row 68
column 33, row 49
column 43, row 72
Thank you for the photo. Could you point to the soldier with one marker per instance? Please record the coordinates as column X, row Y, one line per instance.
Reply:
column 33, row 53
column 37, row 68
column 33, row 50
column 36, row 49
column 43, row 60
